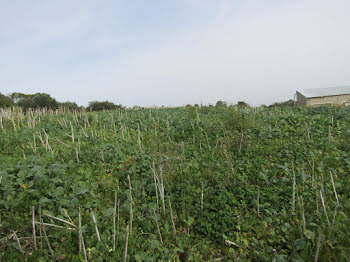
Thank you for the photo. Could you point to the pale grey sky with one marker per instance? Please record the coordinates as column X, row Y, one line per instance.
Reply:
column 176, row 52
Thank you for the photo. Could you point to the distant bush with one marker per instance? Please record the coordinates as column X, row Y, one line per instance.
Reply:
column 221, row 104
column 38, row 100
column 5, row 101
column 242, row 104
column 283, row 104
column 104, row 105
column 69, row 105
column 41, row 100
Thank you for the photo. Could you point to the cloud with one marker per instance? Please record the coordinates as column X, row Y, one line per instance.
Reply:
column 240, row 54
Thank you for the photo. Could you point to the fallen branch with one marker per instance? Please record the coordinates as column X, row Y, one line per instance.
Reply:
column 61, row 220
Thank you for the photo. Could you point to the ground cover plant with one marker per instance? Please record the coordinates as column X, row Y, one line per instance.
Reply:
column 175, row 184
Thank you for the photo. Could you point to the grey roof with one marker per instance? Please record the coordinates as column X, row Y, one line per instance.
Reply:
column 329, row 91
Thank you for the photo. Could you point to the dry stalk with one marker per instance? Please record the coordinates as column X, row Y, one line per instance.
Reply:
column 303, row 212
column 117, row 223
column 294, row 190
column 160, row 235
column 79, row 230
column 33, row 227
column 172, row 218
column 324, row 207
column 61, row 220
column 40, row 229
column 131, row 213
column 56, row 226
column 258, row 202
column 77, row 155
column 126, row 243
column 95, row 224
column 202, row 197
column 62, row 142
column 159, row 183
column 47, row 239
column 241, row 142
column 19, row 243
column 66, row 214
column 114, row 215
column 318, row 247
column 335, row 191
column 81, row 243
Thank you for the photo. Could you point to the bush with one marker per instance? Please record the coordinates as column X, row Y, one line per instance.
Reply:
column 69, row 105
column 104, row 105
column 283, row 104
column 5, row 101
column 242, row 104
column 38, row 100
column 41, row 100
column 221, row 104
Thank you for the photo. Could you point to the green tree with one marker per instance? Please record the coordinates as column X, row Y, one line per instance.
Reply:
column 221, row 104
column 69, row 105
column 104, row 105
column 243, row 104
column 5, row 101
column 41, row 100
column 16, row 97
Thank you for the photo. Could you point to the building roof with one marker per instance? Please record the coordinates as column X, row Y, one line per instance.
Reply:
column 329, row 91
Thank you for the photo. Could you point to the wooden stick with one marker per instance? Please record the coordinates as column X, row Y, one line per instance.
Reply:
column 61, row 220
column 131, row 213
column 19, row 244
column 202, row 196
column 81, row 237
column 303, row 212
column 117, row 224
column 333, row 221
column 33, row 227
column 95, row 223
column 126, row 243
column 294, row 189
column 318, row 247
column 155, row 183
column 160, row 235
column 56, row 226
column 172, row 218
column 324, row 208
column 335, row 191
column 8, row 237
column 65, row 212
column 47, row 239
column 79, row 229
column 114, row 215
column 40, row 229
column 258, row 203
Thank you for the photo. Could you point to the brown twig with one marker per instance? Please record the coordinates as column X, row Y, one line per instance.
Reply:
column 95, row 223
column 33, row 227
column 126, row 243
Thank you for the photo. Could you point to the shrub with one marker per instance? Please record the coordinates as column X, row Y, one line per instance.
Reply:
column 104, row 105
column 5, row 101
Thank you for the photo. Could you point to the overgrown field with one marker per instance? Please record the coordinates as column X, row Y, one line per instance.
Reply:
column 176, row 184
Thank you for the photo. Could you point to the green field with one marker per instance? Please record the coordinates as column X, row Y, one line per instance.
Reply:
column 243, row 184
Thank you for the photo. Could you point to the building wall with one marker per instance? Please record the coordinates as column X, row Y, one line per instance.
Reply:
column 301, row 100
column 328, row 100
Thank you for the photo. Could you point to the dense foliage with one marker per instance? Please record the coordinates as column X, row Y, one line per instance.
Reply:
column 243, row 183
column 104, row 105
column 5, row 101
column 43, row 100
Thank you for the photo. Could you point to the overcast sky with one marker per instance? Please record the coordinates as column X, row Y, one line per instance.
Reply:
column 162, row 52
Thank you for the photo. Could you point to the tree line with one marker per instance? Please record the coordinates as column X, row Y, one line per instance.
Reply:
column 43, row 100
